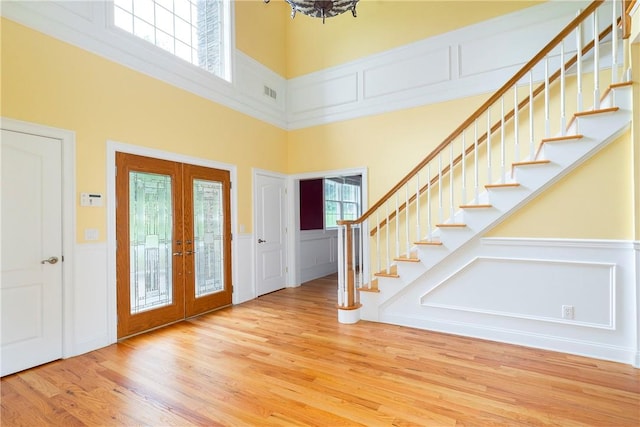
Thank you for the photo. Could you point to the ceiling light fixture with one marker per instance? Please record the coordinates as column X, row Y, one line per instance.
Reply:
column 321, row 8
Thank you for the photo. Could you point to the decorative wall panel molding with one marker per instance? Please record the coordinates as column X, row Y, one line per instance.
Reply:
column 535, row 289
column 465, row 62
column 318, row 254
column 514, row 289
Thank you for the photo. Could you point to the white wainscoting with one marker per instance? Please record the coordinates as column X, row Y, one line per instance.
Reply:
column 468, row 61
column 244, row 287
column 93, row 321
column 513, row 290
column 91, row 299
column 318, row 254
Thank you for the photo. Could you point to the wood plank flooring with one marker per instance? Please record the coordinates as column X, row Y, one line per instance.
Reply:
column 283, row 359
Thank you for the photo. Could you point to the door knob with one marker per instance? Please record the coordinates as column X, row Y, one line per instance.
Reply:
column 262, row 241
column 50, row 260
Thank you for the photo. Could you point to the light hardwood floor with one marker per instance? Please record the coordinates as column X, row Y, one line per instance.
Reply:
column 284, row 360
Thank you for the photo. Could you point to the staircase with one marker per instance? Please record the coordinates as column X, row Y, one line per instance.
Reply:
column 555, row 157
column 524, row 138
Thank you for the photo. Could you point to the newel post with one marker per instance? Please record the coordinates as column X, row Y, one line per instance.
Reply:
column 348, row 308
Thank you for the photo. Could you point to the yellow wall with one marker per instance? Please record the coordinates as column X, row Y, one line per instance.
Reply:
column 595, row 201
column 49, row 82
column 389, row 145
column 381, row 25
column 261, row 31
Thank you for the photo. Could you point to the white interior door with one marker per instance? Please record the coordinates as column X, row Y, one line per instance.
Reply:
column 31, row 286
column 270, row 233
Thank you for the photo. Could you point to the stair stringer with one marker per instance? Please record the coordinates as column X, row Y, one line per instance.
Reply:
column 597, row 130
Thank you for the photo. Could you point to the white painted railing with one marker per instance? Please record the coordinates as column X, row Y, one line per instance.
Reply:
column 481, row 150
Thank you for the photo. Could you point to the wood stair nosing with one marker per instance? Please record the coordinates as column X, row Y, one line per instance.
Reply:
column 531, row 163
column 407, row 259
column 451, row 225
column 594, row 112
column 391, row 272
column 613, row 86
column 475, row 206
column 555, row 139
column 505, row 185
column 428, row 243
column 590, row 113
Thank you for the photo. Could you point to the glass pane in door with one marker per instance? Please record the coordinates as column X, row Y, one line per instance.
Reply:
column 151, row 233
column 208, row 221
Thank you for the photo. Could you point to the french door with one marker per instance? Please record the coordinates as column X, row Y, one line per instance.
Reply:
column 173, row 241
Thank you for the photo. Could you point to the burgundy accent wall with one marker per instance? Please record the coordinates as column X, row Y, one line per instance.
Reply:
column 312, row 204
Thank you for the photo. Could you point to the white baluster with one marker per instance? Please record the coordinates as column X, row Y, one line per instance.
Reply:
column 489, row 146
column 476, row 168
column 532, row 141
column 406, row 218
column 614, row 47
column 464, row 168
column 563, row 106
column 503, row 169
column 378, row 232
column 397, row 233
column 418, row 233
column 388, row 226
column 516, row 124
column 440, row 209
column 596, row 62
column 363, row 270
column 429, row 216
column 547, row 119
column 580, row 105
column 451, row 201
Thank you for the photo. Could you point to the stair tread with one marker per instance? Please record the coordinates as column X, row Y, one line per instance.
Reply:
column 428, row 243
column 453, row 225
column 621, row 84
column 407, row 259
column 475, row 206
column 390, row 272
column 369, row 289
column 600, row 111
column 505, row 185
column 562, row 138
column 391, row 275
column 531, row 163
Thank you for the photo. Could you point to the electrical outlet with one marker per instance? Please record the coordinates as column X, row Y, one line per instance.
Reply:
column 567, row 312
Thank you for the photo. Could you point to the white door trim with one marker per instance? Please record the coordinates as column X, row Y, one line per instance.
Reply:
column 68, row 139
column 255, row 173
column 112, row 148
column 294, row 213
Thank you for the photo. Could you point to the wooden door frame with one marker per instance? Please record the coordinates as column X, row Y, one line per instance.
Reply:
column 112, row 148
column 68, row 139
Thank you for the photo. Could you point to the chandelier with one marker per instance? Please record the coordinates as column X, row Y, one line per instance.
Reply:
column 321, row 8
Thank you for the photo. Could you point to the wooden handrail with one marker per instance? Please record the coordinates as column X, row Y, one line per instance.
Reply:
column 507, row 117
column 478, row 113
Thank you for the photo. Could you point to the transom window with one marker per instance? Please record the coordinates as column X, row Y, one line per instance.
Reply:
column 342, row 199
column 197, row 31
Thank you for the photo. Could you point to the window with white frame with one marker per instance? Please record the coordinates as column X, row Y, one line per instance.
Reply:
column 342, row 199
column 197, row 31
